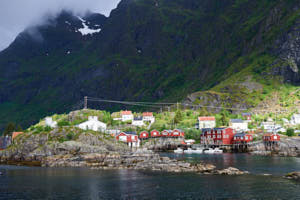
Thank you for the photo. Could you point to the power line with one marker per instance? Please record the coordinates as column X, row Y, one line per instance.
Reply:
column 162, row 104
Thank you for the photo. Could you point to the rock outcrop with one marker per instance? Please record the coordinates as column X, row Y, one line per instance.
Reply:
column 231, row 171
column 286, row 147
column 293, row 176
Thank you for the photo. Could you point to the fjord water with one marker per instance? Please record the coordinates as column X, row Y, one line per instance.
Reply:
column 68, row 183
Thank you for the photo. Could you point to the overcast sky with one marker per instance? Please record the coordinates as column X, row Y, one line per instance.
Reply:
column 16, row 15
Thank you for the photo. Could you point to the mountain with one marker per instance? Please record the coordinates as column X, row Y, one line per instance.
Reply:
column 209, row 52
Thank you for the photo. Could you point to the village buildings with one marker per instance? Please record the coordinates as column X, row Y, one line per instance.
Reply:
column 271, row 137
column 238, row 124
column 126, row 115
column 138, row 121
column 131, row 138
column 148, row 117
column 206, row 122
column 247, row 117
column 217, row 136
column 295, row 119
column 242, row 138
column 93, row 124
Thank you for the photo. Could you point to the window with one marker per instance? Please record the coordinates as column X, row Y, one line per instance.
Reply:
column 246, row 137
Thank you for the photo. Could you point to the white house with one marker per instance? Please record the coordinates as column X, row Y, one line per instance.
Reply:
column 207, row 122
column 148, row 117
column 93, row 124
column 126, row 115
column 269, row 126
column 238, row 124
column 138, row 121
column 295, row 119
column 49, row 122
column 285, row 121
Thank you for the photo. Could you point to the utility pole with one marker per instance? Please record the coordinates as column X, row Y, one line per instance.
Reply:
column 85, row 102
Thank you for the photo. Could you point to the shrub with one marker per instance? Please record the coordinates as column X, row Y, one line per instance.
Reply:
column 69, row 136
column 290, row 132
column 63, row 123
column 47, row 128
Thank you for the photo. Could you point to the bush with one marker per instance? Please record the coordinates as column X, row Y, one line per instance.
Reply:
column 63, row 123
column 290, row 132
column 47, row 128
column 38, row 129
column 70, row 136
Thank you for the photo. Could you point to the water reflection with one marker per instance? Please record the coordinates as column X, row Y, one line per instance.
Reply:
column 43, row 183
column 252, row 163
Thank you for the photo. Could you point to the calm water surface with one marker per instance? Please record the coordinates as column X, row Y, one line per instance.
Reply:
column 42, row 183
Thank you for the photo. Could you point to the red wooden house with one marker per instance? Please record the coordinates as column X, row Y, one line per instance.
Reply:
column 144, row 135
column 127, row 137
column 217, row 136
column 166, row 133
column 155, row 133
column 271, row 137
column 242, row 138
column 177, row 133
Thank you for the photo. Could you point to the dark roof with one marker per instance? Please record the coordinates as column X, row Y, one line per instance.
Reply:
column 236, row 121
column 131, row 133
column 246, row 114
column 240, row 135
column 206, row 129
column 138, row 119
column 178, row 129
column 220, row 128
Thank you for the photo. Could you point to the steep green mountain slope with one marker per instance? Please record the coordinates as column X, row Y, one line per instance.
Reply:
column 150, row 50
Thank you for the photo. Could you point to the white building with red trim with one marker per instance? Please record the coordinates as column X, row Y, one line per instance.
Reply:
column 207, row 122
column 126, row 116
column 148, row 117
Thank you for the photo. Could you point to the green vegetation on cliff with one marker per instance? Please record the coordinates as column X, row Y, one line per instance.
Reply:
column 152, row 51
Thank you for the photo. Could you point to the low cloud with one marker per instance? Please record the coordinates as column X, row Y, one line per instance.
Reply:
column 17, row 15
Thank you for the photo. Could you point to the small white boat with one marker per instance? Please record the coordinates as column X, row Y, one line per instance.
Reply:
column 178, row 150
column 209, row 151
column 217, row 150
column 189, row 150
column 213, row 151
column 198, row 150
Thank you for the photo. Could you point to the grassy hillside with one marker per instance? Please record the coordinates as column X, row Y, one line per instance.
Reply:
column 152, row 51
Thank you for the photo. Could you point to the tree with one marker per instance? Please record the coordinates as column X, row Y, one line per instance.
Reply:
column 290, row 132
column 9, row 129
column 178, row 117
column 224, row 118
column 19, row 128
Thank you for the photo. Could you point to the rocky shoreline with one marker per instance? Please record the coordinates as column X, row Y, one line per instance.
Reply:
column 95, row 152
column 139, row 160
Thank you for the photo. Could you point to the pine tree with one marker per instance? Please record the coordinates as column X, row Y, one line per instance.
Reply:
column 9, row 129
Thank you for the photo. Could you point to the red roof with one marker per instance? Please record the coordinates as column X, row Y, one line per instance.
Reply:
column 206, row 118
column 126, row 112
column 15, row 134
column 148, row 114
